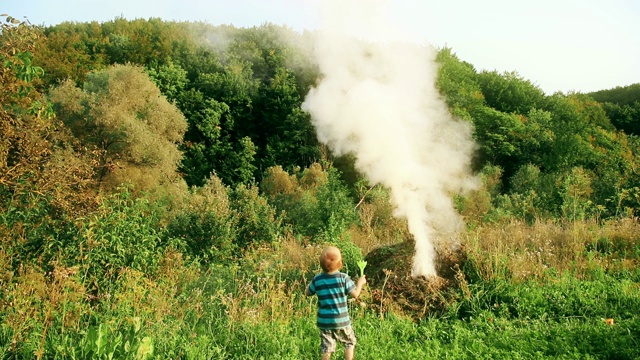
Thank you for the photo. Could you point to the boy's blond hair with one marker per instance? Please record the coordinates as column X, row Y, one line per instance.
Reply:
column 331, row 259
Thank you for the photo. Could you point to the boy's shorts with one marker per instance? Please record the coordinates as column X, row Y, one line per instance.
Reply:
column 328, row 338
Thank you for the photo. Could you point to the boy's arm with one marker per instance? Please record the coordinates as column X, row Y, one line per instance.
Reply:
column 308, row 291
column 356, row 292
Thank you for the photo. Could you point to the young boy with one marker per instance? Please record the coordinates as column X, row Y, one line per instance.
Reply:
column 332, row 288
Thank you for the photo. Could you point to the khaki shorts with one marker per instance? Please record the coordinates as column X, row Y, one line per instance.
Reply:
column 328, row 339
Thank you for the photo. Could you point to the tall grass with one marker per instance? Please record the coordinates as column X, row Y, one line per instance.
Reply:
column 516, row 251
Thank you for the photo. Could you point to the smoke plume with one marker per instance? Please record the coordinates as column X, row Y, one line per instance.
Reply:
column 377, row 100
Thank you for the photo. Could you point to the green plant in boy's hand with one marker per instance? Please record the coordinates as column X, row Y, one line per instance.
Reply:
column 361, row 264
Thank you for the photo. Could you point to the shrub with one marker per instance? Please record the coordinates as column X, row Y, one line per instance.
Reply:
column 206, row 224
column 256, row 219
column 317, row 205
column 124, row 232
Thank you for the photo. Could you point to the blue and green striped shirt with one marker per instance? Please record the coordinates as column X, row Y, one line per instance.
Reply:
column 332, row 290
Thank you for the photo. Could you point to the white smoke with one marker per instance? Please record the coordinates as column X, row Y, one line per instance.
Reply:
column 377, row 100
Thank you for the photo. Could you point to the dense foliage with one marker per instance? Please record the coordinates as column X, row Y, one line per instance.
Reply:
column 162, row 193
column 622, row 106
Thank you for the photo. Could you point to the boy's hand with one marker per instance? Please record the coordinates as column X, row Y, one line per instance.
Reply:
column 359, row 284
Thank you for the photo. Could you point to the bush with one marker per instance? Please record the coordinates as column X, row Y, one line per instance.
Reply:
column 124, row 232
column 31, row 230
column 256, row 219
column 317, row 205
column 206, row 224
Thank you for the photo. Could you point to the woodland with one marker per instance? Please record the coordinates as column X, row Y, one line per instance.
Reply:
column 164, row 195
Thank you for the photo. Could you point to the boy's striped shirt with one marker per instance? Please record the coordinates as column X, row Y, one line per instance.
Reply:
column 332, row 290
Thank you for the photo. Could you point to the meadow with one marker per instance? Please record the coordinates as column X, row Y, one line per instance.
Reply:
column 517, row 291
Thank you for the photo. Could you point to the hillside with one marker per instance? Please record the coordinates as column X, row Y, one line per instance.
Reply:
column 165, row 192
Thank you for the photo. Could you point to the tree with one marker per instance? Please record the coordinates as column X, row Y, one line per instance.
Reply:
column 624, row 117
column 579, row 126
column 203, row 137
column 287, row 136
column 121, row 113
column 43, row 181
column 143, row 41
column 70, row 50
column 233, row 85
column 210, row 145
column 537, row 137
column 509, row 92
column 34, row 158
column 500, row 136
column 584, row 138
column 23, row 115
column 170, row 78
column 457, row 81
column 621, row 95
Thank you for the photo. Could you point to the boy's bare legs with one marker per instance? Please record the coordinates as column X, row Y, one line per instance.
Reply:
column 348, row 353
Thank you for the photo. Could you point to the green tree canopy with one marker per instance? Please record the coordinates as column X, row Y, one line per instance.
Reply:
column 509, row 92
column 458, row 83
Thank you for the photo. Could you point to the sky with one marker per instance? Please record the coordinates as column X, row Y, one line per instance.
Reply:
column 559, row 45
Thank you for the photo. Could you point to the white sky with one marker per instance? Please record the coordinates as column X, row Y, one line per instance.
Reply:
column 560, row 45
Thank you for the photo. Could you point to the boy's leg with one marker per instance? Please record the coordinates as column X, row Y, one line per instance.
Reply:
column 348, row 338
column 348, row 353
column 327, row 344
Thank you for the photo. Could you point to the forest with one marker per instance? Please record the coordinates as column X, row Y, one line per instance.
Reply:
column 163, row 194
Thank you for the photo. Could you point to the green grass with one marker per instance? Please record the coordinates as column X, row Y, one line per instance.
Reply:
column 396, row 338
column 560, row 319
